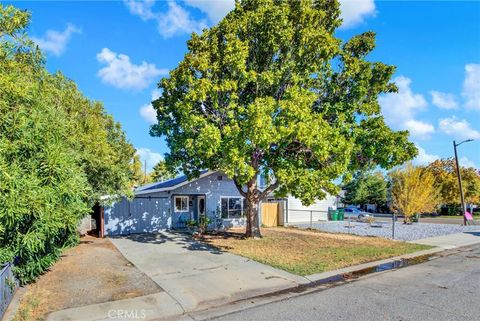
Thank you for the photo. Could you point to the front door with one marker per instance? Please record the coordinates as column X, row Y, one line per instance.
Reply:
column 201, row 205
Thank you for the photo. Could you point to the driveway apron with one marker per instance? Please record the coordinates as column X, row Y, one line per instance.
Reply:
column 197, row 275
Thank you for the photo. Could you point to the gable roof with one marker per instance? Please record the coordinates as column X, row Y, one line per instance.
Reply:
column 170, row 184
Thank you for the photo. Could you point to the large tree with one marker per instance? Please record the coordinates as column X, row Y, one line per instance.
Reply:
column 270, row 90
column 446, row 181
column 413, row 191
column 138, row 175
column 366, row 188
column 162, row 172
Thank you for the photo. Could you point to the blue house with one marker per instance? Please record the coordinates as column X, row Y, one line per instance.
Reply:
column 170, row 204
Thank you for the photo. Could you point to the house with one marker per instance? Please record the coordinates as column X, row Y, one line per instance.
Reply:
column 170, row 204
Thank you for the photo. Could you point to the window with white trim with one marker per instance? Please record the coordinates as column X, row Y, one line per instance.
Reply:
column 232, row 206
column 181, row 203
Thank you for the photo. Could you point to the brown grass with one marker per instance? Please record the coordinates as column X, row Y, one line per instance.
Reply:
column 92, row 272
column 305, row 252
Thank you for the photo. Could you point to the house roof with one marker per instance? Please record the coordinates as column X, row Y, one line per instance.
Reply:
column 168, row 185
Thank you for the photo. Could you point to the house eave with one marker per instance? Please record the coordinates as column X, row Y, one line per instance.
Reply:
column 171, row 188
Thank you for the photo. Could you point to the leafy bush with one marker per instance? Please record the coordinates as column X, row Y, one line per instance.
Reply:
column 59, row 152
column 204, row 222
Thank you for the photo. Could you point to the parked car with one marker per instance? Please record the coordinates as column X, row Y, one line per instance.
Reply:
column 355, row 213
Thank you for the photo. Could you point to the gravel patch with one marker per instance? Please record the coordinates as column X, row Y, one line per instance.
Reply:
column 403, row 232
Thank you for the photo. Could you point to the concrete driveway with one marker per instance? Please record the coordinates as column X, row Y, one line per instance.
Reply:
column 197, row 275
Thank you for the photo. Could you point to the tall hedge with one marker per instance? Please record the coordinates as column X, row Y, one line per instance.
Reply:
column 59, row 152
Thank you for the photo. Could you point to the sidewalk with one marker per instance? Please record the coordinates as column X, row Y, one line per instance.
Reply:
column 452, row 241
column 162, row 307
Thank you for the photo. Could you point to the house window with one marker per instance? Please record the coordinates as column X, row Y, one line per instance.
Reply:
column 181, row 203
column 232, row 207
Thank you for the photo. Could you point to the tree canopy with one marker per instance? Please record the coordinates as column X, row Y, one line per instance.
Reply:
column 59, row 152
column 271, row 90
column 366, row 188
column 162, row 172
column 413, row 191
column 446, row 181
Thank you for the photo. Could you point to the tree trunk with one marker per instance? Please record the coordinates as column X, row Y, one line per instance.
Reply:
column 253, row 226
column 253, row 199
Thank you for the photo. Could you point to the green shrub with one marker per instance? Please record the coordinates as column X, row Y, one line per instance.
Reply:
column 59, row 152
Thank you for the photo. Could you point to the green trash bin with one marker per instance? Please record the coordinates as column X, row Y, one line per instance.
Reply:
column 341, row 214
column 333, row 215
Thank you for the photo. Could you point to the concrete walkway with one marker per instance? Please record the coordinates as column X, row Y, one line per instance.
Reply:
column 451, row 241
column 199, row 276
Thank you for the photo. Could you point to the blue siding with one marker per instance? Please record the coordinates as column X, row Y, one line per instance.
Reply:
column 117, row 218
column 141, row 215
column 212, row 188
column 155, row 211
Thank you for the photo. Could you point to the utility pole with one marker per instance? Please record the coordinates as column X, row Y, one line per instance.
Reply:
column 145, row 172
column 459, row 176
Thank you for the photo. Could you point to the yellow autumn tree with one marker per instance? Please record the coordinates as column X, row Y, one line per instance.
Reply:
column 413, row 191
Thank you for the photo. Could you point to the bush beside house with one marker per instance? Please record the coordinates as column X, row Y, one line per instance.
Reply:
column 59, row 152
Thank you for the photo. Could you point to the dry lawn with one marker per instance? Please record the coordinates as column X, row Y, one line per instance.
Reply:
column 305, row 252
column 92, row 272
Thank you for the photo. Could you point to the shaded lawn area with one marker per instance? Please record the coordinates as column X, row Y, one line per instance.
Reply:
column 92, row 272
column 305, row 252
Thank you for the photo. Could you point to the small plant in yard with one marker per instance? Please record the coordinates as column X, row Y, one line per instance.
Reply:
column 203, row 223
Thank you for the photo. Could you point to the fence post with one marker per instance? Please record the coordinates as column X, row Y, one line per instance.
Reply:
column 393, row 226
column 311, row 219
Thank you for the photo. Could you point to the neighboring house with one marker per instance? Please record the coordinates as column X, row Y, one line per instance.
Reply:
column 170, row 204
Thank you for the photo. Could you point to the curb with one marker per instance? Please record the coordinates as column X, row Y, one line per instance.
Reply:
column 319, row 282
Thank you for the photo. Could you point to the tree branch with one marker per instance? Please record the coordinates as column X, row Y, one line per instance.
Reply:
column 270, row 189
column 239, row 187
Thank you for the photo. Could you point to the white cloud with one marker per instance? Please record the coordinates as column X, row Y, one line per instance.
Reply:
column 150, row 156
column 419, row 129
column 215, row 9
column 460, row 129
column 147, row 111
column 400, row 109
column 143, row 9
column 423, row 158
column 122, row 73
column 443, row 100
column 465, row 162
column 471, row 86
column 176, row 20
column 55, row 42
column 355, row 12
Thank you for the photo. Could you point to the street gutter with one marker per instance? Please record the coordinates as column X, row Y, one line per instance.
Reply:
column 322, row 281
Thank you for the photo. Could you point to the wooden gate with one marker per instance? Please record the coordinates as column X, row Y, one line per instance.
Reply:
column 270, row 214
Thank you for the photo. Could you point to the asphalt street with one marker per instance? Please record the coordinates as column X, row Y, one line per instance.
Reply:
column 444, row 288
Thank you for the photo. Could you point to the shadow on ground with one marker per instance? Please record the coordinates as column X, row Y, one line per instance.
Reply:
column 200, row 243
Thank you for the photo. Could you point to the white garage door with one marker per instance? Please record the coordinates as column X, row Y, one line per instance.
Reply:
column 150, row 214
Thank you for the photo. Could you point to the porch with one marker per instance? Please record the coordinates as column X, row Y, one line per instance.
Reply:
column 187, row 207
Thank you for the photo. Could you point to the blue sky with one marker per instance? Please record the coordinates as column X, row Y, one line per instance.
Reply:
column 116, row 51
